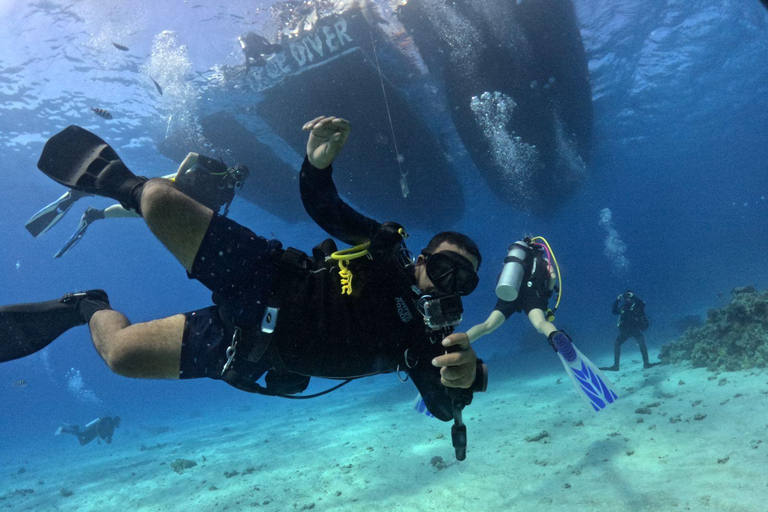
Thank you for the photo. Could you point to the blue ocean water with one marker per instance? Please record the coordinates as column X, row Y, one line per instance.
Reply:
column 680, row 97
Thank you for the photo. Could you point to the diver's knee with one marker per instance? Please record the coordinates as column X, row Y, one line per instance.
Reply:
column 157, row 196
column 123, row 360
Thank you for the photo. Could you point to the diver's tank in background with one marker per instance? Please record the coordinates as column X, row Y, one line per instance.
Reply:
column 512, row 273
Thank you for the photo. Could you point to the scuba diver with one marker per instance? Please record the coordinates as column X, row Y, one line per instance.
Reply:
column 103, row 428
column 204, row 179
column 277, row 312
column 526, row 284
column 632, row 322
column 256, row 48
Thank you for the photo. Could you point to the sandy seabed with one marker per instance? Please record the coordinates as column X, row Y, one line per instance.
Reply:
column 677, row 439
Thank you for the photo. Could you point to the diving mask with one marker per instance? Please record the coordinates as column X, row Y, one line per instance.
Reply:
column 451, row 272
column 239, row 173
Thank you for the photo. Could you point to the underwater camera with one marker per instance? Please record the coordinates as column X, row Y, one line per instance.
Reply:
column 441, row 311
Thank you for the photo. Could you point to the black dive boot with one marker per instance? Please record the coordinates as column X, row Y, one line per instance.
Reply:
column 28, row 328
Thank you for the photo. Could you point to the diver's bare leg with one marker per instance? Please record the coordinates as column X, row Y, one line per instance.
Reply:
column 150, row 350
column 118, row 211
column 176, row 219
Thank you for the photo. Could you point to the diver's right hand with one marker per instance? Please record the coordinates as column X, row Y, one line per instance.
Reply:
column 458, row 367
column 189, row 162
column 327, row 135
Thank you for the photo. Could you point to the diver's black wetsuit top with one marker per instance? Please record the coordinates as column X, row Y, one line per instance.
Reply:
column 322, row 333
column 632, row 313
column 105, row 428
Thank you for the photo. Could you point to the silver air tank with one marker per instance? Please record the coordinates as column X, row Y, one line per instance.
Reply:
column 508, row 285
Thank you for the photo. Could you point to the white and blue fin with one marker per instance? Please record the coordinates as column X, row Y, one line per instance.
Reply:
column 592, row 385
column 51, row 214
column 421, row 407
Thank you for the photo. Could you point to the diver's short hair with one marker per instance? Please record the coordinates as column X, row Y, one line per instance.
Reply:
column 458, row 239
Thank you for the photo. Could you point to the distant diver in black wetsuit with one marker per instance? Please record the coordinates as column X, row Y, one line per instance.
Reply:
column 256, row 48
column 632, row 322
column 102, row 428
column 204, row 179
column 277, row 312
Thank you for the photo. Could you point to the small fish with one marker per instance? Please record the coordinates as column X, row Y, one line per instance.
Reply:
column 18, row 265
column 120, row 47
column 101, row 113
column 21, row 383
column 157, row 85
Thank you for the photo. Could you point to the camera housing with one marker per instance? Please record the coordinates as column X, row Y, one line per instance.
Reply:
column 441, row 312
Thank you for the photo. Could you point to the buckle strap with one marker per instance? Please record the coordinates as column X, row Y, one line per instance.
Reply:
column 232, row 351
column 253, row 343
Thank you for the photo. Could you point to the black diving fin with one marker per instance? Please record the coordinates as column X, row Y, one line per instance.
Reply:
column 28, row 328
column 81, row 160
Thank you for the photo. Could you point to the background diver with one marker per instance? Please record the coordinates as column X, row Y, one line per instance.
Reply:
column 206, row 180
column 526, row 284
column 255, row 48
column 632, row 322
column 276, row 313
column 101, row 428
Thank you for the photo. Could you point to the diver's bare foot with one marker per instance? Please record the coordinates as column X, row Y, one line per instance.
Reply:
column 613, row 368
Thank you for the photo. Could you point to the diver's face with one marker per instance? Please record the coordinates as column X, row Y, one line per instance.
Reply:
column 237, row 177
column 423, row 281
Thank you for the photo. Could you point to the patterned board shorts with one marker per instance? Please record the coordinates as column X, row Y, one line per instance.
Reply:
column 239, row 268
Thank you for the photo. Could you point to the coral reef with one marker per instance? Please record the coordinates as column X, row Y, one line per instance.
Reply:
column 734, row 337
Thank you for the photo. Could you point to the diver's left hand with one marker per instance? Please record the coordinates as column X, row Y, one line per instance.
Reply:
column 457, row 369
column 327, row 136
